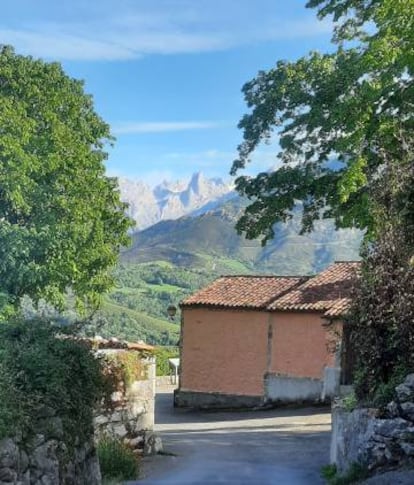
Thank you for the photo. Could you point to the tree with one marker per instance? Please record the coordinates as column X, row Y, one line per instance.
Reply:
column 339, row 116
column 61, row 220
column 382, row 312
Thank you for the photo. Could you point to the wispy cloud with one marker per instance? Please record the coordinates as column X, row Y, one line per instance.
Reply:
column 129, row 128
column 120, row 30
column 56, row 45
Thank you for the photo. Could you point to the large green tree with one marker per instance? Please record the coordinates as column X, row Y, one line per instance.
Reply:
column 61, row 220
column 341, row 117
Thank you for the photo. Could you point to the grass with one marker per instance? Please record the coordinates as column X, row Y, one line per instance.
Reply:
column 355, row 473
column 117, row 461
column 163, row 287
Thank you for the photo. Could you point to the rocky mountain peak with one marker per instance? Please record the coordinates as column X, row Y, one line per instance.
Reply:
column 170, row 199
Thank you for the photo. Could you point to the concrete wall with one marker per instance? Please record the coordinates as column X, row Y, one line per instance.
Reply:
column 286, row 390
column 301, row 346
column 215, row 400
column 224, row 351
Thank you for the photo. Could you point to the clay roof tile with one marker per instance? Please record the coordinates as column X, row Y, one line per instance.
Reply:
column 328, row 291
column 250, row 292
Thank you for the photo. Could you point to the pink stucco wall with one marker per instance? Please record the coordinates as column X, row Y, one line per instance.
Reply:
column 224, row 351
column 301, row 346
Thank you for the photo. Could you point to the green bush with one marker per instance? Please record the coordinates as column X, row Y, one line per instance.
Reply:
column 163, row 354
column 381, row 316
column 350, row 402
column 116, row 460
column 40, row 370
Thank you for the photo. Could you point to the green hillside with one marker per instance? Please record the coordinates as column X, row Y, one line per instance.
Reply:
column 124, row 323
column 191, row 242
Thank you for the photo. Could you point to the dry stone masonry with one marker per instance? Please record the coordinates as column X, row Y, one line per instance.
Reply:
column 45, row 458
column 377, row 440
column 129, row 415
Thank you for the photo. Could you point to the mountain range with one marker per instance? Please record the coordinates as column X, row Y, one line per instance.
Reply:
column 171, row 200
column 209, row 240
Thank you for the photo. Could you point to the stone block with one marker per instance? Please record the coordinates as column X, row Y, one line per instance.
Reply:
column 117, row 396
column 101, row 419
column 152, row 444
column 405, row 391
column 9, row 453
column 407, row 410
column 119, row 430
column 23, row 461
column 391, row 428
column 8, row 475
column 44, row 458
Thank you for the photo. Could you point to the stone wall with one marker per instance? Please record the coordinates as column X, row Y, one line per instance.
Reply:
column 46, row 460
column 130, row 414
column 377, row 440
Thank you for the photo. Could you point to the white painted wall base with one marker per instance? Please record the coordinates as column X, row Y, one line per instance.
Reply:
column 286, row 389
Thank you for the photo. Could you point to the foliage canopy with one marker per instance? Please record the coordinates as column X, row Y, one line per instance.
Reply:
column 337, row 114
column 40, row 371
column 61, row 219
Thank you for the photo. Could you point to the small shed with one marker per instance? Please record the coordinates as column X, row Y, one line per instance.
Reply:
column 248, row 341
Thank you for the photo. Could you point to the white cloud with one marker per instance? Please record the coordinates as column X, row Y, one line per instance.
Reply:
column 129, row 128
column 63, row 46
column 110, row 30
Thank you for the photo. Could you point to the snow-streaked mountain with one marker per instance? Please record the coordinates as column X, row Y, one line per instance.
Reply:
column 171, row 200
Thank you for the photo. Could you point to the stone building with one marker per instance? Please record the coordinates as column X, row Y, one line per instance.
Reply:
column 254, row 340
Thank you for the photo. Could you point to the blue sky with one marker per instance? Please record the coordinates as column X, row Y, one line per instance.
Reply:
column 167, row 74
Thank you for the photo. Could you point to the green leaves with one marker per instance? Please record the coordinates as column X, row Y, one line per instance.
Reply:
column 353, row 179
column 61, row 219
column 340, row 118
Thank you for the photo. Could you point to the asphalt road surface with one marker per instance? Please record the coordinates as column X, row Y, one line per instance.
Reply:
column 278, row 447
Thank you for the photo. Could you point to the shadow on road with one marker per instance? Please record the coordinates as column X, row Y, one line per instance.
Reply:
column 273, row 447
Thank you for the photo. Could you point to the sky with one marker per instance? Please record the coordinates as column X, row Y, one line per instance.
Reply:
column 167, row 74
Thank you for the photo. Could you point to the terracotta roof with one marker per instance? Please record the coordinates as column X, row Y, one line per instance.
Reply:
column 329, row 291
column 339, row 308
column 114, row 344
column 250, row 292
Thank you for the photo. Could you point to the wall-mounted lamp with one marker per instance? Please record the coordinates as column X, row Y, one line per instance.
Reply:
column 172, row 311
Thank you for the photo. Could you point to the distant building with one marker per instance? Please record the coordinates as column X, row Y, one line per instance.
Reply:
column 253, row 340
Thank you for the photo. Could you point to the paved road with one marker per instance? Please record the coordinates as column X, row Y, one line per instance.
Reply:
column 278, row 447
